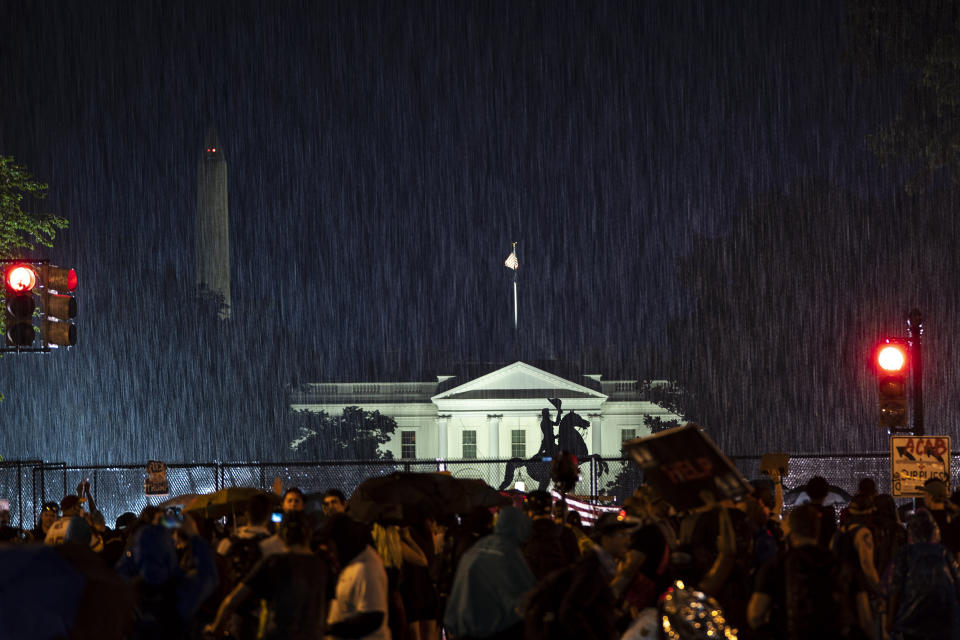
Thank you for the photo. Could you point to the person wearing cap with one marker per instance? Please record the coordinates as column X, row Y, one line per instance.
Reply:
column 48, row 515
column 72, row 508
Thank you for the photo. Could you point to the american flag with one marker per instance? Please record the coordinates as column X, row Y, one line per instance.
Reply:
column 511, row 262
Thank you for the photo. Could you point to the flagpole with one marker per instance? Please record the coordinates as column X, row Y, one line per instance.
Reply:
column 515, row 290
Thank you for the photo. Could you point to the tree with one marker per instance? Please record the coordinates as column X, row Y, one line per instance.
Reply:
column 22, row 230
column 672, row 397
column 922, row 41
column 354, row 435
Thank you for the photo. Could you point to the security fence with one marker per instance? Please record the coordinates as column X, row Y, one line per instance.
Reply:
column 26, row 484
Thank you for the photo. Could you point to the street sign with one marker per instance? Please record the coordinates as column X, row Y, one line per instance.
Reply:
column 916, row 459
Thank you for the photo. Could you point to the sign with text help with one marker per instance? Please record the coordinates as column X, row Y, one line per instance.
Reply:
column 916, row 459
column 683, row 462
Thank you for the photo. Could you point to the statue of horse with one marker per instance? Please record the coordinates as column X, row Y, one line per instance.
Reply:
column 569, row 439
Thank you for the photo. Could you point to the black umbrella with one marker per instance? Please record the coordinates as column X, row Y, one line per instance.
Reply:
column 798, row 496
column 408, row 496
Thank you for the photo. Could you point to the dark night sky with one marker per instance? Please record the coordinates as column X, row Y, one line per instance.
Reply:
column 382, row 156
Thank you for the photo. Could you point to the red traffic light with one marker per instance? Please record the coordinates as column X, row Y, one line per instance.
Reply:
column 20, row 278
column 892, row 358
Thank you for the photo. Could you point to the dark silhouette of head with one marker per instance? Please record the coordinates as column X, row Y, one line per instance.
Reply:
column 804, row 521
column 257, row 509
column 295, row 529
column 817, row 488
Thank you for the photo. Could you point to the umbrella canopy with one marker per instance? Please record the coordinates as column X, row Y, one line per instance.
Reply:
column 221, row 503
column 179, row 501
column 799, row 495
column 420, row 494
column 58, row 592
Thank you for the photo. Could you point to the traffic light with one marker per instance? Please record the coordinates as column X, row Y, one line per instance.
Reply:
column 58, row 306
column 19, row 282
column 892, row 367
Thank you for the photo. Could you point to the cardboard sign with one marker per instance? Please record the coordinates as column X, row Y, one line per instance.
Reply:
column 916, row 459
column 682, row 462
column 156, row 484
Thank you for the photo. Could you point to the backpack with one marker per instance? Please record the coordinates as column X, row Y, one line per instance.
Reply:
column 243, row 554
column 541, row 608
column 551, row 546
column 573, row 603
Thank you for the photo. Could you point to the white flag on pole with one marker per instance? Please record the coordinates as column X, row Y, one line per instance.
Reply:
column 511, row 262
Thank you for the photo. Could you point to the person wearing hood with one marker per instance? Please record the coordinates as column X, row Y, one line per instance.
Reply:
column 490, row 580
column 167, row 596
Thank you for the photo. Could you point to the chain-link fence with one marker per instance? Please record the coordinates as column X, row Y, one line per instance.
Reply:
column 26, row 484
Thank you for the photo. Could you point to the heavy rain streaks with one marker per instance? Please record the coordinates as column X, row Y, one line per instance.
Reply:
column 690, row 186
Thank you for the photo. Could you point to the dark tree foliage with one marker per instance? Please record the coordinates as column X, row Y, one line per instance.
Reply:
column 920, row 40
column 671, row 397
column 789, row 305
column 354, row 435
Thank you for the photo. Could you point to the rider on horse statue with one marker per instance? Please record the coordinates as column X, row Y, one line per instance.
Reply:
column 548, row 446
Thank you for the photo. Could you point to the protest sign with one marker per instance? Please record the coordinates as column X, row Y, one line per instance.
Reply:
column 682, row 462
column 156, row 484
column 916, row 459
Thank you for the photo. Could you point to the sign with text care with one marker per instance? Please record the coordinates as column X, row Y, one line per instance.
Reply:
column 682, row 462
column 916, row 459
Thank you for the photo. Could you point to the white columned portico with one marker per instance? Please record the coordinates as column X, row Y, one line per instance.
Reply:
column 493, row 429
column 443, row 421
column 596, row 441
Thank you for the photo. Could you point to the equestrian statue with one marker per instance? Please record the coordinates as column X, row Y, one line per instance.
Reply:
column 567, row 439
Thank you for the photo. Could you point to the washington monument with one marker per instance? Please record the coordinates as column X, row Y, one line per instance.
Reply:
column 213, row 223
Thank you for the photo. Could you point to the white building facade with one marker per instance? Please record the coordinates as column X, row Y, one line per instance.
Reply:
column 496, row 415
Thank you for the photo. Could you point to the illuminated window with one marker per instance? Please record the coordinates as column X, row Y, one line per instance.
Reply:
column 518, row 443
column 469, row 445
column 408, row 444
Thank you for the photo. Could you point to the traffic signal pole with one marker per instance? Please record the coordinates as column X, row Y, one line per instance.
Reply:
column 915, row 327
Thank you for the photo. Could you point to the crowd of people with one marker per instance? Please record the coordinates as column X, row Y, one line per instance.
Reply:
column 747, row 568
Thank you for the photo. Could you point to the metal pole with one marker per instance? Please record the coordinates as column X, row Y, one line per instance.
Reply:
column 915, row 325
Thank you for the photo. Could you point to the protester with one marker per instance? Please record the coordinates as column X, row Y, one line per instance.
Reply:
column 397, row 549
column 360, row 605
column 293, row 583
column 581, row 602
column 551, row 545
column 49, row 513
column 243, row 551
column 334, row 502
column 167, row 596
column 798, row 586
column 490, row 580
column 817, row 489
column 293, row 500
column 923, row 600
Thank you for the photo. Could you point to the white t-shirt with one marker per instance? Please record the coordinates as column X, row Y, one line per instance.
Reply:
column 362, row 587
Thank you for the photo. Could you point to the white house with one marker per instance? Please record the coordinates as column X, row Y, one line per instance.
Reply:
column 496, row 415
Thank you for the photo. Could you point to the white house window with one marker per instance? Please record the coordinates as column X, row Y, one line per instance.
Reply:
column 518, row 443
column 408, row 444
column 469, row 445
column 628, row 434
